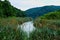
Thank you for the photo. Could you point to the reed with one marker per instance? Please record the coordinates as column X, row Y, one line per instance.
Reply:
column 45, row 34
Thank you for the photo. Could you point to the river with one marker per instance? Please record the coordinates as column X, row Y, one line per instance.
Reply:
column 27, row 27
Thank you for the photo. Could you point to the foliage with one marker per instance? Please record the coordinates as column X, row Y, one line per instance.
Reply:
column 7, row 10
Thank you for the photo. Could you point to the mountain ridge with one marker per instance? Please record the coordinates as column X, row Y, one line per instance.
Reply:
column 39, row 11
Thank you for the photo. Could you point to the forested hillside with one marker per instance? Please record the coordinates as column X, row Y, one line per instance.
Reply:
column 7, row 10
column 39, row 11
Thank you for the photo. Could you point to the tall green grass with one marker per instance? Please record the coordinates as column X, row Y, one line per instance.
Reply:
column 53, row 24
column 9, row 31
column 45, row 34
column 13, row 21
column 45, row 29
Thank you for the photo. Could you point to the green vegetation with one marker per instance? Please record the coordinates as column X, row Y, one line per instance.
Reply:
column 9, row 30
column 10, row 17
column 45, row 34
column 13, row 21
column 8, row 33
column 51, row 15
column 51, row 20
column 47, row 26
column 7, row 10
column 53, row 24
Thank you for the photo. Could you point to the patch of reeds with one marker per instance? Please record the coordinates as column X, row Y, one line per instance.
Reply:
column 53, row 24
column 45, row 34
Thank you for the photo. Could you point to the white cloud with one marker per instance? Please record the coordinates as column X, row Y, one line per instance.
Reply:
column 26, row 4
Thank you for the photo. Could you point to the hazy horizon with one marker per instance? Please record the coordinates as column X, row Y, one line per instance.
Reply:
column 27, row 4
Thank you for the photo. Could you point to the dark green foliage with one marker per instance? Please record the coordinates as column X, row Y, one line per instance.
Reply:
column 7, row 10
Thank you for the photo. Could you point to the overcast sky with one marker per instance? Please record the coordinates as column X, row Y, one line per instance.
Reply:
column 26, row 4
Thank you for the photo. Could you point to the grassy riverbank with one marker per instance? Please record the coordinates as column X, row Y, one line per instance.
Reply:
column 8, row 33
column 45, row 34
column 8, row 28
column 13, row 21
column 46, row 29
column 53, row 24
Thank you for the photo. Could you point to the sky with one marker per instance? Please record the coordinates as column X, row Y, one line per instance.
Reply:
column 27, row 4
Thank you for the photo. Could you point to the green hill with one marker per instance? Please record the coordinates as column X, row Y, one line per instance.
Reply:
column 6, row 10
column 51, row 15
column 39, row 11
